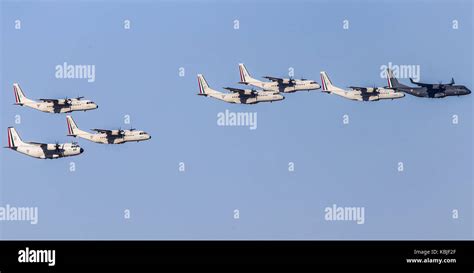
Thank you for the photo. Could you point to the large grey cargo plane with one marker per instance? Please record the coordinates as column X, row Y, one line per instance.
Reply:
column 427, row 90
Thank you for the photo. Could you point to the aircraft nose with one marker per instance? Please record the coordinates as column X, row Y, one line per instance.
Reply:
column 81, row 151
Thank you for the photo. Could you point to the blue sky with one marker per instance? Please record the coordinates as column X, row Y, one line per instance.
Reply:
column 230, row 168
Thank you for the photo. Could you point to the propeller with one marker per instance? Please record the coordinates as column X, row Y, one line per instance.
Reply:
column 80, row 97
column 291, row 81
column 67, row 101
column 57, row 146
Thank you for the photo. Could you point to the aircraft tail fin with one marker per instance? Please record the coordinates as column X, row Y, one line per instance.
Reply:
column 14, row 139
column 72, row 128
column 204, row 88
column 20, row 97
column 245, row 77
column 392, row 81
column 327, row 84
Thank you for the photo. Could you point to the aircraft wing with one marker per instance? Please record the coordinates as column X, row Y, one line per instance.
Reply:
column 38, row 144
column 421, row 84
column 363, row 89
column 274, row 79
column 50, row 100
column 241, row 91
column 357, row 87
column 102, row 131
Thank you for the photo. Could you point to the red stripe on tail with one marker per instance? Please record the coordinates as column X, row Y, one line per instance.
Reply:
column 9, row 138
column 323, row 83
column 69, row 126
column 200, row 86
column 15, row 90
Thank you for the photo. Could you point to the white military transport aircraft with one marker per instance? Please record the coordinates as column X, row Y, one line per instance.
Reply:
column 277, row 84
column 359, row 93
column 66, row 105
column 240, row 96
column 41, row 150
column 104, row 136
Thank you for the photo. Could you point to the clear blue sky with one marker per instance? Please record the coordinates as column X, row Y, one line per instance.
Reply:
column 231, row 168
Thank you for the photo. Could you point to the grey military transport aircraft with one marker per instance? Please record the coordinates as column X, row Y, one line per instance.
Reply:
column 427, row 90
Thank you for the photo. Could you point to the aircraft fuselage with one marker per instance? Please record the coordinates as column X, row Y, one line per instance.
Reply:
column 48, row 151
column 50, row 107
column 287, row 87
column 262, row 96
column 127, row 136
column 380, row 94
column 426, row 92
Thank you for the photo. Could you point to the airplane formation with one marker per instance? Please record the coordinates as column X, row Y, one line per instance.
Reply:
column 270, row 91
column 59, row 150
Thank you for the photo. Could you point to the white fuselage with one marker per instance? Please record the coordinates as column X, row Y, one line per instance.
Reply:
column 48, row 151
column 379, row 94
column 51, row 107
column 261, row 96
column 115, row 137
column 286, row 87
